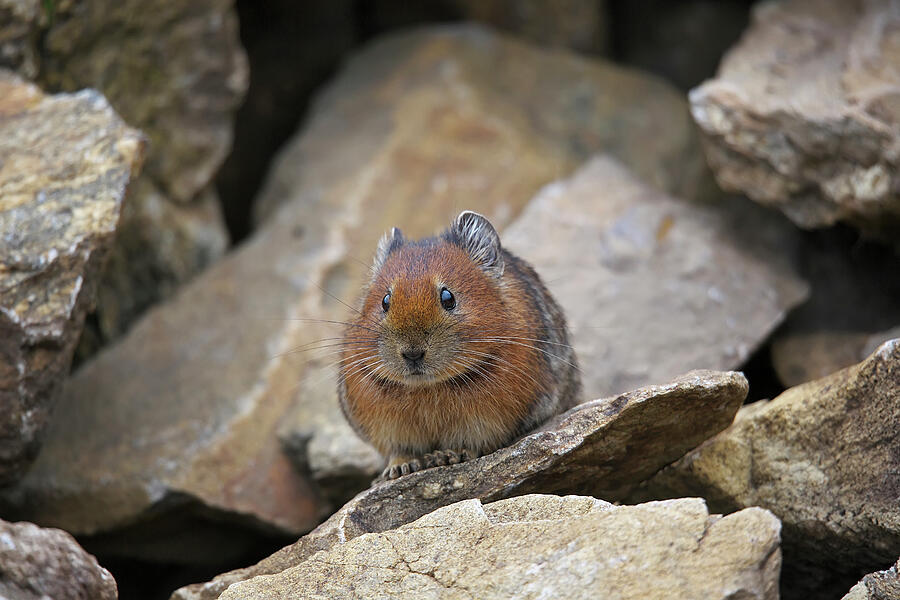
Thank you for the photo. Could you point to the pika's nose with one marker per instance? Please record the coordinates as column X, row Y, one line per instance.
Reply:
column 413, row 355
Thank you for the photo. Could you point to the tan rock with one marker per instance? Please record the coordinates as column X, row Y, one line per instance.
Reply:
column 653, row 286
column 803, row 114
column 603, row 447
column 65, row 164
column 489, row 91
column 882, row 585
column 545, row 546
column 39, row 563
column 822, row 456
column 174, row 68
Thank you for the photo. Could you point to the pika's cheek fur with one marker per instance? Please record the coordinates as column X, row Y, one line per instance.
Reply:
column 430, row 378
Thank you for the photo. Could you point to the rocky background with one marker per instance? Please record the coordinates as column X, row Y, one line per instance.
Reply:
column 190, row 194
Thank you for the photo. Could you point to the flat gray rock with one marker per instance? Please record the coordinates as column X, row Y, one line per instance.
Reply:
column 653, row 286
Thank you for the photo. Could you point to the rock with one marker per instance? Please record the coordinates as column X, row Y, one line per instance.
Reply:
column 545, row 546
column 853, row 305
column 822, row 456
column 456, row 80
column 603, row 448
column 698, row 292
column 803, row 114
column 176, row 70
column 882, row 585
column 38, row 564
column 65, row 164
column 19, row 21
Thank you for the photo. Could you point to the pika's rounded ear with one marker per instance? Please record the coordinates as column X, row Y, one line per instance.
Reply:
column 389, row 242
column 475, row 234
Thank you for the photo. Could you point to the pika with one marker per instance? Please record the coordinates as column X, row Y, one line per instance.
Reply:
column 457, row 350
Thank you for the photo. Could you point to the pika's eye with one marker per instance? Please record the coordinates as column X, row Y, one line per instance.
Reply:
column 447, row 299
column 386, row 302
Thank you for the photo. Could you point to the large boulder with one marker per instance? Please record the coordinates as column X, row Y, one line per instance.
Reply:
column 822, row 456
column 803, row 113
column 38, row 563
column 65, row 163
column 174, row 68
column 545, row 546
column 653, row 286
column 604, row 448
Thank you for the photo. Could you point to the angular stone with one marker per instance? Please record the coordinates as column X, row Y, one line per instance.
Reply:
column 489, row 90
column 881, row 585
column 603, row 448
column 174, row 68
column 37, row 564
column 65, row 163
column 699, row 293
column 823, row 457
column 546, row 546
column 804, row 113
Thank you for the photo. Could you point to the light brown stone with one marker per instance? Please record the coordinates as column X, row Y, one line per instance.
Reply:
column 804, row 113
column 822, row 456
column 653, row 286
column 65, row 164
column 603, row 448
column 38, row 563
column 545, row 547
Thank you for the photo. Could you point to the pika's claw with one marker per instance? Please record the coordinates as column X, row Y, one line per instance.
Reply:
column 405, row 465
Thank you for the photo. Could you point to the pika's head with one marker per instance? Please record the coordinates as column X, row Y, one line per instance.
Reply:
column 432, row 303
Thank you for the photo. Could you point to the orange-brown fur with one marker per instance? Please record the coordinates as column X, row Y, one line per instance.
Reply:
column 479, row 392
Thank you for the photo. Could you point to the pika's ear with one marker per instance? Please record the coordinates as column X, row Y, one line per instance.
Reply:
column 389, row 242
column 475, row 234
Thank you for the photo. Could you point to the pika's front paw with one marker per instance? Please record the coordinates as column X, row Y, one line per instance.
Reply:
column 439, row 458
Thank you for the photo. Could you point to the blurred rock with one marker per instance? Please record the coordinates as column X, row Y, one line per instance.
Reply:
column 488, row 90
column 680, row 41
column 822, row 456
column 653, row 286
column 853, row 305
column 174, row 68
column 603, row 448
column 803, row 114
column 19, row 29
column 65, row 164
column 42, row 564
column 574, row 24
column 546, row 546
column 882, row 585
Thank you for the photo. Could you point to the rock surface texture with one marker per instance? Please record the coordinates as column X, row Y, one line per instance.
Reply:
column 174, row 68
column 803, row 113
column 823, row 457
column 545, row 547
column 38, row 563
column 604, row 447
column 653, row 286
column 881, row 585
column 65, row 164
